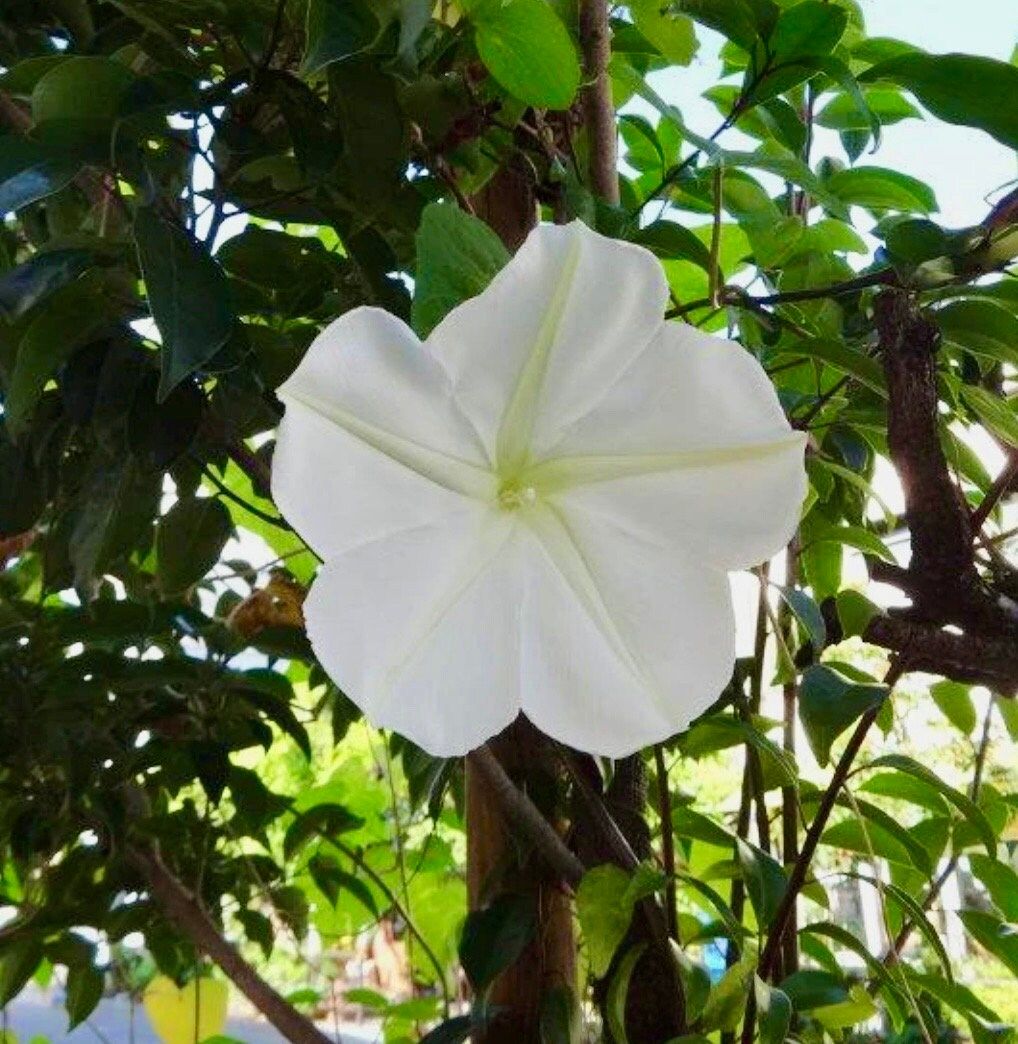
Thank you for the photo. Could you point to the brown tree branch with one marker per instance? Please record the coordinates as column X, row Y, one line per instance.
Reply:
column 800, row 869
column 184, row 911
column 523, row 815
column 598, row 110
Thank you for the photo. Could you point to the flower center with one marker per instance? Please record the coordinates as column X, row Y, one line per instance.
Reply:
column 514, row 494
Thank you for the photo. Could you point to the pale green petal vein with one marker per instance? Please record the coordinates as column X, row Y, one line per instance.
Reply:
column 451, row 473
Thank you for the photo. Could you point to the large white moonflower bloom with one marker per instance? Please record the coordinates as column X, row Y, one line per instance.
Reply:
column 535, row 509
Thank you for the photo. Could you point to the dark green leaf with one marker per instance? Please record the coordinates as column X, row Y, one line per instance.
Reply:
column 17, row 966
column 190, row 538
column 829, row 703
column 618, row 992
column 28, row 284
column 84, row 991
column 959, row 88
column 493, row 938
column 336, row 30
column 325, row 820
column 765, row 881
column 187, row 294
column 30, row 171
column 773, row 1012
column 457, row 256
column 744, row 22
column 807, row 612
column 561, row 1017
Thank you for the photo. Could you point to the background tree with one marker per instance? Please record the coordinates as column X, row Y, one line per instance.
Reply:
column 192, row 189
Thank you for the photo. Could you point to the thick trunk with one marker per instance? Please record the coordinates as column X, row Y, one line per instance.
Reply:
column 494, row 860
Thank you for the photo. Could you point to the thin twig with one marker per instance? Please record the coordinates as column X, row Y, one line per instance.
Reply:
column 664, row 797
column 797, row 877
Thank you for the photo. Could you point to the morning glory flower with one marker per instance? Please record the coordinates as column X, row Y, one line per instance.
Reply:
column 534, row 510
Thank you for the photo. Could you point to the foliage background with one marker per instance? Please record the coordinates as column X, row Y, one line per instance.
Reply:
column 192, row 189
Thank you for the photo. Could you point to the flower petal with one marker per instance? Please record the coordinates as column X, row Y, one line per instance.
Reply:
column 371, row 438
column 690, row 448
column 624, row 641
column 550, row 335
column 420, row 629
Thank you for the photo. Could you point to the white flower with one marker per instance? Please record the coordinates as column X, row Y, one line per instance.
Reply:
column 535, row 509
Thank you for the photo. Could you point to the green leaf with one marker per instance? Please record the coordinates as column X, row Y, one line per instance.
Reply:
column 857, row 1007
column 325, row 820
column 773, row 1012
column 866, row 370
column 25, row 286
column 994, row 413
column 73, row 317
column 1000, row 880
column 672, row 241
column 855, row 611
column 494, row 938
column 980, row 326
column 603, row 913
column 190, row 538
column 561, row 1017
column 842, row 112
column 965, row 805
column 618, row 991
column 17, row 966
column 673, row 35
column 727, row 1003
column 30, row 171
column 906, row 788
column 81, row 88
column 829, row 702
column 744, row 22
column 84, row 991
column 959, row 88
column 528, row 50
column 336, row 30
column 765, row 881
column 857, row 537
column 955, row 703
column 880, row 189
column 187, row 294
column 457, row 257
column 807, row 28
column 116, row 517
column 995, row 935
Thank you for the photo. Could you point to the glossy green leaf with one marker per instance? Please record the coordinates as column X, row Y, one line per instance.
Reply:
column 829, row 703
column 493, row 938
column 187, row 294
column 528, row 50
column 189, row 541
column 773, row 1012
column 603, row 913
column 457, row 256
column 84, row 991
column 336, row 30
column 880, row 189
column 959, row 88
column 981, row 326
